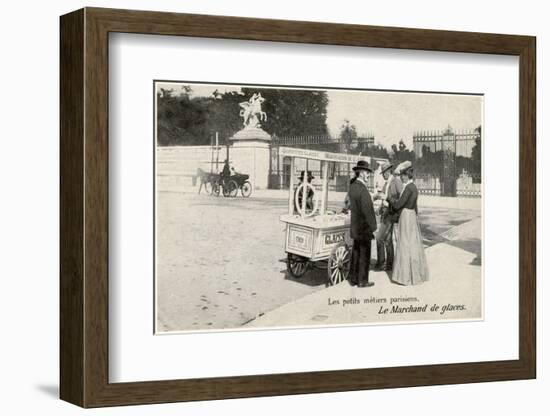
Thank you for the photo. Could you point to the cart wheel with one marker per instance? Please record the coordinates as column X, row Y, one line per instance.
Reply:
column 216, row 188
column 297, row 265
column 338, row 266
column 230, row 189
column 208, row 187
column 246, row 189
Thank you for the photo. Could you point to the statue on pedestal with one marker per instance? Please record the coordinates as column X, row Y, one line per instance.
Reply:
column 250, row 146
column 252, row 112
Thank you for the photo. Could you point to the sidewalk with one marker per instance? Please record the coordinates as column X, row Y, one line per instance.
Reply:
column 455, row 286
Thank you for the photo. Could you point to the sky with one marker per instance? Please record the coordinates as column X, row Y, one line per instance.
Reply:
column 390, row 116
column 393, row 116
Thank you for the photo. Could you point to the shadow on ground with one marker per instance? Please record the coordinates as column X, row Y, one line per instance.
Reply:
column 316, row 274
column 470, row 245
column 49, row 390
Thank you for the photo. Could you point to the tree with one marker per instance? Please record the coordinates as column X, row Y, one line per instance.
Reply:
column 430, row 162
column 348, row 134
column 400, row 153
column 223, row 114
column 187, row 120
column 378, row 151
column 292, row 112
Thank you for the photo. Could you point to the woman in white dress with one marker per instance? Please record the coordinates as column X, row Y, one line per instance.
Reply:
column 410, row 266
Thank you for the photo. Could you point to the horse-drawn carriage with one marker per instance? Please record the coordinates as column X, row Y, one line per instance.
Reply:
column 315, row 234
column 229, row 186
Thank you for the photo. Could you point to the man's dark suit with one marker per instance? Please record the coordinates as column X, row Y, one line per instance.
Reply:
column 363, row 225
column 388, row 216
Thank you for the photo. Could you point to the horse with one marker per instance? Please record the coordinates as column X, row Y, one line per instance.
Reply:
column 206, row 178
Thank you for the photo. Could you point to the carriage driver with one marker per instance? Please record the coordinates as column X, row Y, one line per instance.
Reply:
column 226, row 171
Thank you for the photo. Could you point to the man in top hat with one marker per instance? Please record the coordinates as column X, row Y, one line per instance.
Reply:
column 384, row 235
column 309, row 197
column 363, row 225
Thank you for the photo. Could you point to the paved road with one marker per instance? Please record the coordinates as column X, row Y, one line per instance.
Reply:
column 221, row 262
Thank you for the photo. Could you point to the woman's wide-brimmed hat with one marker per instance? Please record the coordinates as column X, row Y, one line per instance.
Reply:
column 309, row 175
column 403, row 167
column 362, row 165
column 385, row 166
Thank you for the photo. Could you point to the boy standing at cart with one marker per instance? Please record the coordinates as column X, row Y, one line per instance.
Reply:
column 309, row 194
column 363, row 225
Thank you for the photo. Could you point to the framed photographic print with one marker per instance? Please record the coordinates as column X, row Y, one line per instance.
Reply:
column 256, row 207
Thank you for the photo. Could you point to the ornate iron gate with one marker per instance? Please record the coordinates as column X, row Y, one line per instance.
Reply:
column 448, row 163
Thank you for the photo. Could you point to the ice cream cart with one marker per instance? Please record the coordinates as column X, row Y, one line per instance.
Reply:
column 315, row 234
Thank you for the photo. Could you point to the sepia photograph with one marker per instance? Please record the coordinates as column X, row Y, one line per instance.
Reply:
column 281, row 207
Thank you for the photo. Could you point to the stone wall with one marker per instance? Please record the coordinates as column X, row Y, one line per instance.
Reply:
column 179, row 164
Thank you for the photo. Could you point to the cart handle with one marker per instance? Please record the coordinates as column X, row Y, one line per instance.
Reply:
column 303, row 188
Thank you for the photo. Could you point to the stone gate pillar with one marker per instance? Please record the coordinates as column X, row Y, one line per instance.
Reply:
column 250, row 154
column 448, row 145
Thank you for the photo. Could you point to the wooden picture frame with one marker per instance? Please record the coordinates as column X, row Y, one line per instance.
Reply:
column 84, row 207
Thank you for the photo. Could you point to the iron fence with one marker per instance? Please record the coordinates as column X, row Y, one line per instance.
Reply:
column 448, row 162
